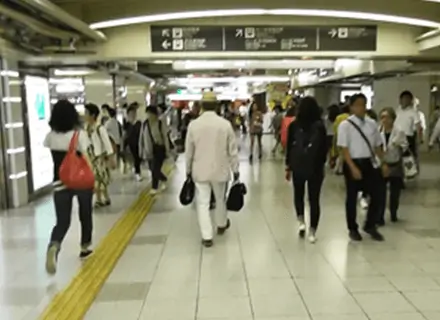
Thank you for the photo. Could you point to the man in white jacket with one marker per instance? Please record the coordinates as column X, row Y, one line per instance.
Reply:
column 211, row 155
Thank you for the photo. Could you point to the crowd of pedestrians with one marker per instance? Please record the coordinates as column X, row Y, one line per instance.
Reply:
column 368, row 150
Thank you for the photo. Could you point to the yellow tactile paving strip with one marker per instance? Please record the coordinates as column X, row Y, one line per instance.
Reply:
column 74, row 301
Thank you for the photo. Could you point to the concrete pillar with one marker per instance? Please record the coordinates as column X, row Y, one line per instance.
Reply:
column 327, row 95
column 99, row 89
column 138, row 93
column 15, row 160
column 387, row 92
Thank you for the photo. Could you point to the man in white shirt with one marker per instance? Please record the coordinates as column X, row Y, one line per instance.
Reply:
column 211, row 155
column 360, row 142
column 408, row 120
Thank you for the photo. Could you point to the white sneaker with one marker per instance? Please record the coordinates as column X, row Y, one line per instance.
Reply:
column 312, row 236
column 163, row 186
column 154, row 192
column 364, row 203
column 302, row 229
column 52, row 259
column 138, row 178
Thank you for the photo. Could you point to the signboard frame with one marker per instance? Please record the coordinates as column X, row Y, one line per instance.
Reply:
column 263, row 38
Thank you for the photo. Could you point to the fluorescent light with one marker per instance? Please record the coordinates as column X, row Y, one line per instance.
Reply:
column 252, row 64
column 194, row 81
column 15, row 150
column 196, row 97
column 163, row 61
column 277, row 12
column 71, row 81
column 14, row 125
column 12, row 99
column 9, row 73
column 71, row 73
column 69, row 88
column 18, row 175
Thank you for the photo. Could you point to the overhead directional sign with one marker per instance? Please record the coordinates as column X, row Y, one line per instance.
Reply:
column 263, row 38
column 348, row 38
column 186, row 38
column 278, row 38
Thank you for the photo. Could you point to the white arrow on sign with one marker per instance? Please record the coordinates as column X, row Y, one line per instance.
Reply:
column 238, row 33
column 166, row 44
column 166, row 33
column 333, row 32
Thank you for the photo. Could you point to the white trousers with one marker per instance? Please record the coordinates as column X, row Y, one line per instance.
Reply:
column 203, row 197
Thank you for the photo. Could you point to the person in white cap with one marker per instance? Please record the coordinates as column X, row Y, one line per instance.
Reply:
column 211, row 155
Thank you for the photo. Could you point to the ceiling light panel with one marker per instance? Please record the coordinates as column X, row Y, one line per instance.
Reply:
column 251, row 64
column 378, row 17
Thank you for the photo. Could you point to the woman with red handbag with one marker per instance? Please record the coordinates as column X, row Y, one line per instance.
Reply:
column 73, row 176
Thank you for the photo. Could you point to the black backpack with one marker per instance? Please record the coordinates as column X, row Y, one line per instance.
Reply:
column 305, row 149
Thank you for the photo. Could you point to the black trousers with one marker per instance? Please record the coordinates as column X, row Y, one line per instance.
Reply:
column 63, row 200
column 395, row 184
column 314, row 185
column 412, row 145
column 155, row 164
column 136, row 159
column 329, row 141
column 371, row 179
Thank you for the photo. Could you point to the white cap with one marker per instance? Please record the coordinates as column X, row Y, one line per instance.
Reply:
column 209, row 97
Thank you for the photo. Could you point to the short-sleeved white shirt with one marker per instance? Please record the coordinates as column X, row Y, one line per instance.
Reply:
column 349, row 137
column 407, row 120
column 60, row 141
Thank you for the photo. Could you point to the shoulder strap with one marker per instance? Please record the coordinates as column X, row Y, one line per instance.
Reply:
column 74, row 141
column 147, row 125
column 98, row 132
column 373, row 154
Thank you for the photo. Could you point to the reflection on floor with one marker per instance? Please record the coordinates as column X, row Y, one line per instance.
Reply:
column 25, row 288
column 261, row 270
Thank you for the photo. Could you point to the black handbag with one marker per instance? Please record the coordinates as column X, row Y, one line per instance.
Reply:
column 186, row 196
column 235, row 201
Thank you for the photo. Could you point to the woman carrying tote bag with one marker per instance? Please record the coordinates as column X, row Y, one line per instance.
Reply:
column 395, row 144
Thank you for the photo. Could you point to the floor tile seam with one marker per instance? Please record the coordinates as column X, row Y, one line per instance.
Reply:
column 199, row 281
column 286, row 265
column 352, row 294
column 246, row 277
column 89, row 270
column 139, row 210
column 153, row 277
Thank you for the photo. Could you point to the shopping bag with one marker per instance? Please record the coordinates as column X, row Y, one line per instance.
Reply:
column 187, row 193
column 410, row 168
column 75, row 172
column 235, row 200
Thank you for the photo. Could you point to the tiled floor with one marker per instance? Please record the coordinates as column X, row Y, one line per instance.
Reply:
column 25, row 288
column 261, row 270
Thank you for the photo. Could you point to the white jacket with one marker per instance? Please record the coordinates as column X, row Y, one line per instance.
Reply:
column 211, row 149
column 435, row 136
column 397, row 144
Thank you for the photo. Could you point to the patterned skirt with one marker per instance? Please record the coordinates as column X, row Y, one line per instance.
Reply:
column 102, row 173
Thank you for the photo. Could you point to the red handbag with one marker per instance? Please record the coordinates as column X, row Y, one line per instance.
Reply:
column 75, row 172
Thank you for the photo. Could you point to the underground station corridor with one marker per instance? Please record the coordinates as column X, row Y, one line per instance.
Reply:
column 205, row 160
